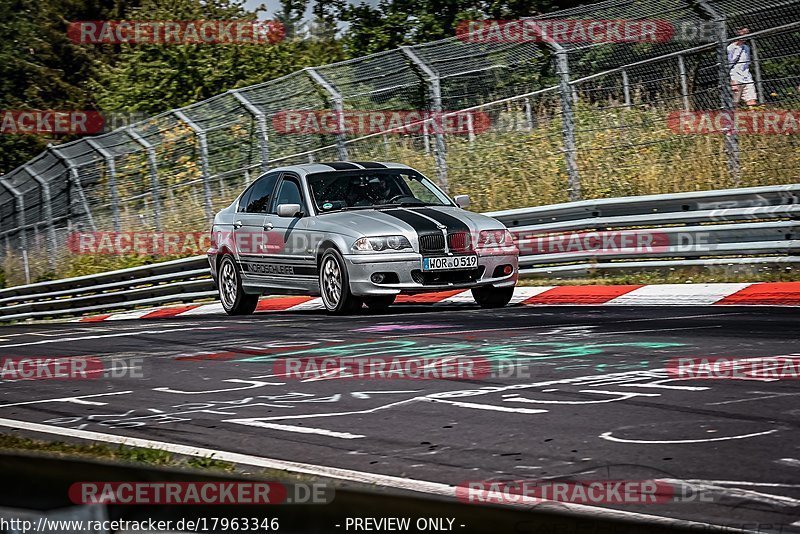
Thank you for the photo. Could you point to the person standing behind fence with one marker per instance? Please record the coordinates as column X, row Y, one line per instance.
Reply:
column 739, row 64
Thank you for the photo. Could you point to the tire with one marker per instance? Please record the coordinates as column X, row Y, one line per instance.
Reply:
column 379, row 304
column 233, row 298
column 334, row 285
column 492, row 297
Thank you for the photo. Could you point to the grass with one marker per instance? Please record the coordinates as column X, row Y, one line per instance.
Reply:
column 102, row 451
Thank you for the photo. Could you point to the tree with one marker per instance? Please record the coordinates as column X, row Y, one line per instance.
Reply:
column 152, row 78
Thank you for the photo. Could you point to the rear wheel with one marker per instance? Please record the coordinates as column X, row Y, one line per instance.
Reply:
column 234, row 300
column 492, row 297
column 334, row 284
column 379, row 304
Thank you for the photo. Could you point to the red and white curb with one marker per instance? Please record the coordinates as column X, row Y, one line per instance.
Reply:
column 746, row 294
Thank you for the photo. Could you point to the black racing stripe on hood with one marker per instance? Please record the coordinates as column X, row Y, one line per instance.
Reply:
column 371, row 165
column 453, row 224
column 419, row 223
column 341, row 165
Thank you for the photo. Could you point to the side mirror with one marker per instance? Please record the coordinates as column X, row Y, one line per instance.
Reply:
column 288, row 210
column 462, row 201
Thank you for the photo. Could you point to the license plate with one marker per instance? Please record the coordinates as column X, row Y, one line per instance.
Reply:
column 445, row 263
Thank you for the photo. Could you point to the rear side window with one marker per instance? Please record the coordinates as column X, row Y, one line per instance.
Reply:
column 257, row 199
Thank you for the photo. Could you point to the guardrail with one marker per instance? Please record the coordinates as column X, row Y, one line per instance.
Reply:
column 749, row 226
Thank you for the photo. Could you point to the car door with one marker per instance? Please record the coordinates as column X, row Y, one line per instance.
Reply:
column 250, row 227
column 294, row 258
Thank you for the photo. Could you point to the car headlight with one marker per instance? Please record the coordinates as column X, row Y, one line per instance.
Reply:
column 387, row 242
column 495, row 239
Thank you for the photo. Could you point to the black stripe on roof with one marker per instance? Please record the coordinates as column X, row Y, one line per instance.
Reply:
column 341, row 165
column 371, row 165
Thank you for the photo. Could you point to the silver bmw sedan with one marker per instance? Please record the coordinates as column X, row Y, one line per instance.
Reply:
column 356, row 233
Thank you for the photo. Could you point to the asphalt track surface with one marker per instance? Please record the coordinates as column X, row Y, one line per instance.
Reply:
column 589, row 398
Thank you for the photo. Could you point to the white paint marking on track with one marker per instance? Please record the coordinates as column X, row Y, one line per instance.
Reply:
column 205, row 309
column 118, row 334
column 677, row 294
column 299, row 429
column 311, row 305
column 609, row 437
column 420, row 486
column 77, row 400
column 490, row 407
column 133, row 314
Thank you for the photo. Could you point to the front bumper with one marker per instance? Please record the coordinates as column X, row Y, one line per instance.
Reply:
column 361, row 267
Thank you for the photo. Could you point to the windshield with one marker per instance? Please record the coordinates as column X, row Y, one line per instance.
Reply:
column 365, row 189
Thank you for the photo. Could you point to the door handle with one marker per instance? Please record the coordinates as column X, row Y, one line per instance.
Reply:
column 237, row 224
column 268, row 226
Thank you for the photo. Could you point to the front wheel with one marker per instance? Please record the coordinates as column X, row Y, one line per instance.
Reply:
column 492, row 297
column 334, row 284
column 234, row 300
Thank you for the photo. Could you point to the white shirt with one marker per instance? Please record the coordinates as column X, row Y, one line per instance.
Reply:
column 739, row 63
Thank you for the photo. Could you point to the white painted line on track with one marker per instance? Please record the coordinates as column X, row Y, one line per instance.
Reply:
column 77, row 400
column 117, row 334
column 420, row 486
column 299, row 429
column 609, row 437
column 490, row 407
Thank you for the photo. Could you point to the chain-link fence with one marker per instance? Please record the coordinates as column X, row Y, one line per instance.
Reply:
column 540, row 121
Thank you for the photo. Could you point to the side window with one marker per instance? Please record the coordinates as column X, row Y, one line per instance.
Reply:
column 260, row 194
column 288, row 193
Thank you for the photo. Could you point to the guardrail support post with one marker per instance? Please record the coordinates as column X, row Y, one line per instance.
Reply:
column 757, row 71
column 338, row 107
column 684, row 80
column 261, row 128
column 204, row 167
column 111, row 169
column 48, row 215
column 19, row 208
column 435, row 92
column 152, row 166
column 75, row 180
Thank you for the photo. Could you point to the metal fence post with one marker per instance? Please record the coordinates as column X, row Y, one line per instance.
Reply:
column 757, row 71
column 261, row 128
column 626, row 88
column 204, row 167
column 435, row 89
column 48, row 214
column 338, row 107
column 725, row 90
column 111, row 169
column 75, row 180
column 152, row 165
column 684, row 80
column 19, row 208
column 568, row 123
